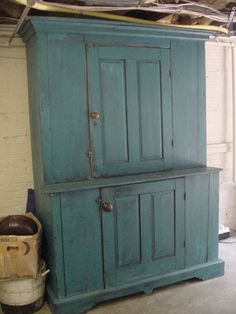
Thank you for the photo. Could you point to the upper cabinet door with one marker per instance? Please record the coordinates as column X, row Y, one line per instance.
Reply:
column 130, row 109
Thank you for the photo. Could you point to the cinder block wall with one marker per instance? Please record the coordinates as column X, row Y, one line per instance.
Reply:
column 15, row 150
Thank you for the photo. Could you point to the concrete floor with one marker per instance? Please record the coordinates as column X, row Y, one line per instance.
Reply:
column 215, row 296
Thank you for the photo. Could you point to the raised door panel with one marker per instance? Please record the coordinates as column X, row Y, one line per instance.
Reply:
column 130, row 87
column 143, row 235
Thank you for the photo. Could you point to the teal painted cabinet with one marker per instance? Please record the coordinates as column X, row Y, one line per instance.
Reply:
column 117, row 115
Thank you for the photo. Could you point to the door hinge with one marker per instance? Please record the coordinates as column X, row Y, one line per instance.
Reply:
column 185, row 196
column 172, row 143
column 170, row 73
column 99, row 201
column 184, row 243
column 89, row 45
column 90, row 154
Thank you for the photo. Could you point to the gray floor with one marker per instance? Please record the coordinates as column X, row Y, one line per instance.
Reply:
column 215, row 296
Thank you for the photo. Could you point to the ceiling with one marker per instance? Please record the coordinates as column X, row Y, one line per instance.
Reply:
column 221, row 13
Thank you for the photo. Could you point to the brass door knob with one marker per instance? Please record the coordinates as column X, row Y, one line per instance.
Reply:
column 95, row 115
column 107, row 207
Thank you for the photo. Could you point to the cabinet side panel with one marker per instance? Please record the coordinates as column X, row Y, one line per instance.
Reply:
column 34, row 110
column 188, row 85
column 213, row 216
column 44, row 214
column 55, row 247
column 81, row 227
column 197, row 191
column 201, row 85
column 46, row 205
column 67, row 129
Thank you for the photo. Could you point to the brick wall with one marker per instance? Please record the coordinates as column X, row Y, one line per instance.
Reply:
column 15, row 150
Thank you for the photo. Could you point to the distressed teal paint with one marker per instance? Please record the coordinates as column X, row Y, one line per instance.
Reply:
column 180, row 223
column 188, row 85
column 130, row 179
column 34, row 53
column 67, row 108
column 146, row 216
column 55, row 247
column 197, row 207
column 113, row 95
column 128, row 230
column 213, row 220
column 164, row 224
column 146, row 155
column 151, row 120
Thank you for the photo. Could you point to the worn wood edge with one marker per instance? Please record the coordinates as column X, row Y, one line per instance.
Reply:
column 123, row 180
column 82, row 302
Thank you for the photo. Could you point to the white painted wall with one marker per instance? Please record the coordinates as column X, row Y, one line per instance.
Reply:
column 219, row 92
column 15, row 151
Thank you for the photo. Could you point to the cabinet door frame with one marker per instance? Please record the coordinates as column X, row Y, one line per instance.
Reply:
column 115, row 274
column 131, row 158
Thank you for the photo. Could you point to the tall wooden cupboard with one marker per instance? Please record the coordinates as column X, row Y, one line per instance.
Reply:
column 118, row 128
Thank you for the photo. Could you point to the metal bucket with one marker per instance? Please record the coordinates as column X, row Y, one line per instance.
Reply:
column 23, row 296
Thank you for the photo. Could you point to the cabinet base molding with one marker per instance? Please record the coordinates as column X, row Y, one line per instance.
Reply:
column 79, row 304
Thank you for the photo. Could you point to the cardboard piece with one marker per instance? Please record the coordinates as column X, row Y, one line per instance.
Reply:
column 20, row 254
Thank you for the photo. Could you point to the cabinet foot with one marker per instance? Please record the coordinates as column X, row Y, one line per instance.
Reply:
column 73, row 309
column 72, row 306
column 213, row 272
column 84, row 309
column 207, row 276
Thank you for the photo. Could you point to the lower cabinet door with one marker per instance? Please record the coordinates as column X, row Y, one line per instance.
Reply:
column 143, row 230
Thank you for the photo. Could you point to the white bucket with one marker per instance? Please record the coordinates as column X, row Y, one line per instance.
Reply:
column 23, row 291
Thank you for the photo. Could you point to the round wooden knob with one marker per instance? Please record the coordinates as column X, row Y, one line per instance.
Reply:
column 107, row 206
column 95, row 115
